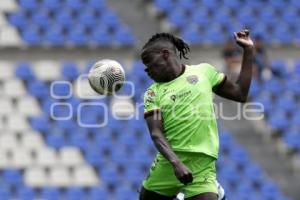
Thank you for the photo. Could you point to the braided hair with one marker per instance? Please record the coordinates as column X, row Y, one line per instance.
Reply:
column 178, row 43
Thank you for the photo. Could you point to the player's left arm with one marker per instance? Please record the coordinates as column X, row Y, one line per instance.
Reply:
column 238, row 91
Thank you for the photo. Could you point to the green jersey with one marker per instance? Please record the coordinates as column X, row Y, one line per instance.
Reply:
column 186, row 105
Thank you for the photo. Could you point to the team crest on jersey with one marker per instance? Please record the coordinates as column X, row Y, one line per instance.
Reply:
column 150, row 93
column 192, row 79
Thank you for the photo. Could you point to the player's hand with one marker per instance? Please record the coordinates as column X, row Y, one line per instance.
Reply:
column 183, row 174
column 243, row 39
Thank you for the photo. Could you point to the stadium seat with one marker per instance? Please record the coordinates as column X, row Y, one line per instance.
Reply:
column 69, row 71
column 78, row 36
column 124, row 37
column 21, row 158
column 38, row 89
column 75, row 5
column 12, row 177
column 52, row 193
column 70, row 156
column 31, row 36
column 17, row 122
column 46, row 157
column 5, row 193
column 55, row 36
column 36, row 177
column 40, row 124
column 164, row 5
column 14, row 88
column 51, row 5
column 76, row 193
column 18, row 19
column 6, row 106
column 25, row 193
column 24, row 71
column 6, row 70
column 28, row 106
column 56, row 141
column 41, row 19
column 178, row 18
column 46, row 70
column 32, row 141
column 60, row 176
column 85, row 176
column 29, row 5
column 99, row 193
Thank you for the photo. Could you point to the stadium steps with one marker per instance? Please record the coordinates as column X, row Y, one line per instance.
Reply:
column 276, row 165
column 134, row 14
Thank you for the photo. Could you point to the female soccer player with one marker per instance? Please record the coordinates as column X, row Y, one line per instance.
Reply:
column 180, row 117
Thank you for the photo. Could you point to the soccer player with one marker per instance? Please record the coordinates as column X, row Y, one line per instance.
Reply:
column 180, row 116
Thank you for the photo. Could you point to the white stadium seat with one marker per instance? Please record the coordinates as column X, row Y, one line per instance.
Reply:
column 2, row 125
column 3, row 21
column 9, row 37
column 82, row 89
column 47, row 70
column 36, row 177
column 6, row 69
column 17, row 122
column 32, row 141
column 46, row 158
column 85, row 176
column 28, row 106
column 14, row 88
column 70, row 156
column 60, row 177
column 6, row 106
column 9, row 141
column 21, row 158
column 8, row 6
column 4, row 159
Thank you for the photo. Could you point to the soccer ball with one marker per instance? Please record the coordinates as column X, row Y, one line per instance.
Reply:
column 106, row 77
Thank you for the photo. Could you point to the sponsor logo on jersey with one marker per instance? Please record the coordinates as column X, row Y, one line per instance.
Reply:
column 174, row 97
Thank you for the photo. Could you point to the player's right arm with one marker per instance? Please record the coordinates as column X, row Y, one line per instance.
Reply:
column 154, row 121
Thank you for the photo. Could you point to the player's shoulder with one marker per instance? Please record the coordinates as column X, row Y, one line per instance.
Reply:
column 201, row 67
column 152, row 89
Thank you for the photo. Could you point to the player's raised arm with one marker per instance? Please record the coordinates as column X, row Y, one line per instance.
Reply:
column 238, row 91
column 155, row 125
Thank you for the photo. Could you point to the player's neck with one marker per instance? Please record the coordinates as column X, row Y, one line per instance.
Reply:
column 177, row 71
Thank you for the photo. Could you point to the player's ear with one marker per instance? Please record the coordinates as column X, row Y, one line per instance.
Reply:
column 165, row 53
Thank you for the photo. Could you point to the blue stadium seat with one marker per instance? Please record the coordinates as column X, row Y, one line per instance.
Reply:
column 279, row 68
column 99, row 193
column 126, row 193
column 32, row 36
column 65, row 19
column 191, row 35
column 246, row 18
column 134, row 175
column 293, row 85
column 55, row 36
column 24, row 71
column 40, row 124
column 78, row 36
column 25, row 193
column 75, row 193
column 279, row 121
column 186, row 4
column 269, row 17
column 297, row 66
column 70, row 71
column 56, row 141
column 213, row 35
column 286, row 102
column 282, row 35
column 41, row 19
column 110, row 176
column 18, row 19
column 31, row 5
column 296, row 118
column 51, row 5
column 75, row 5
column 12, row 178
column 124, row 37
column 79, row 140
column 210, row 4
column 232, row 4
column 110, row 19
column 178, row 18
column 200, row 18
column 88, row 18
column 95, row 157
column 5, row 193
column 292, row 139
column 50, row 193
column 275, row 86
column 61, row 89
column 38, row 89
column 101, row 36
column 99, row 5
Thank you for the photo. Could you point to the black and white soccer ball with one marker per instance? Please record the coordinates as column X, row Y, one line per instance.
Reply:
column 106, row 76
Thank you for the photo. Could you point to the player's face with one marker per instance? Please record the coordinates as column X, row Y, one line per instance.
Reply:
column 156, row 65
